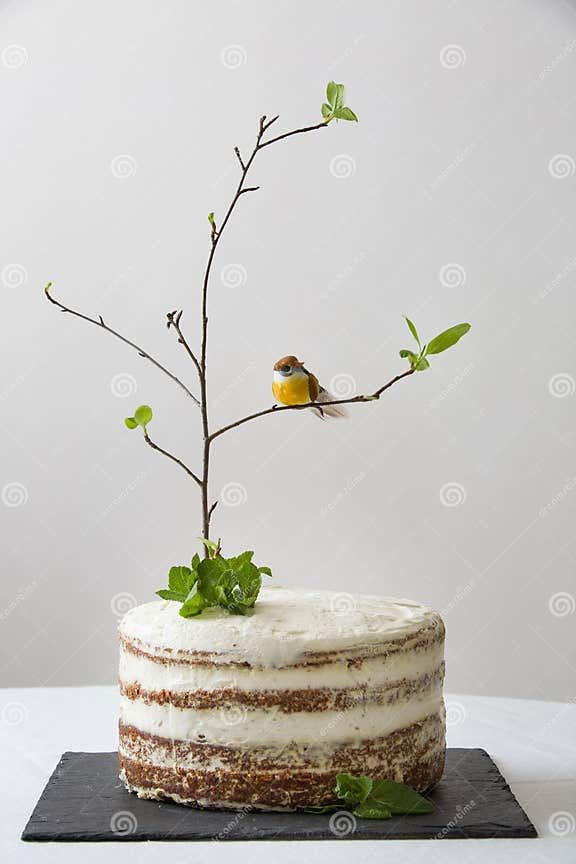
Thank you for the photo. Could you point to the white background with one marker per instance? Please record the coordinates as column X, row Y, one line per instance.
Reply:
column 463, row 156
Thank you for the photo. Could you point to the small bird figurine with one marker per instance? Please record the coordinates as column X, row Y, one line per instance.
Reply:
column 293, row 384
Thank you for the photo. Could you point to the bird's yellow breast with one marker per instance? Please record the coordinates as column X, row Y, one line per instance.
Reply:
column 292, row 391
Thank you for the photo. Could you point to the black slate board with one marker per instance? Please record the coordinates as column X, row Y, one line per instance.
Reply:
column 85, row 801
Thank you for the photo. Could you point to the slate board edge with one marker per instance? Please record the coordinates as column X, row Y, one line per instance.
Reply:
column 33, row 833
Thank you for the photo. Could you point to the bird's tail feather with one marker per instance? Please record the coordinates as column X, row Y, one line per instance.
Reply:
column 332, row 411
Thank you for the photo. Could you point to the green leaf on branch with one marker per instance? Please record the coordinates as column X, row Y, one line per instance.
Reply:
column 421, row 364
column 142, row 416
column 211, row 219
column 447, row 338
column 334, row 107
column 413, row 331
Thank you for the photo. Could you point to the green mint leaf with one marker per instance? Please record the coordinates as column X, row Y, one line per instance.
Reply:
column 195, row 561
column 171, row 595
column 447, row 338
column 326, row 111
column 353, row 790
column 143, row 415
column 130, row 422
column 213, row 547
column 331, row 91
column 345, row 114
column 413, row 331
column 421, row 364
column 266, row 571
column 371, row 809
column 194, row 604
column 181, row 579
column 399, row 798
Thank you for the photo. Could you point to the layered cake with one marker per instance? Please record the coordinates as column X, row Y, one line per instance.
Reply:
column 263, row 711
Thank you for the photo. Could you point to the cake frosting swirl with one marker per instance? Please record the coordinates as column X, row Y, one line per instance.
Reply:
column 263, row 710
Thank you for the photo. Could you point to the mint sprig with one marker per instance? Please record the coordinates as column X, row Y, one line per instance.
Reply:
column 229, row 583
column 334, row 107
column 442, row 342
column 375, row 799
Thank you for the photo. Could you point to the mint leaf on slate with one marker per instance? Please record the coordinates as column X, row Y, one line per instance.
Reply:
column 399, row 798
column 371, row 809
column 353, row 790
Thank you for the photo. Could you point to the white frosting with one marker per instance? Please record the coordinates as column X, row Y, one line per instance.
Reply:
column 373, row 672
column 237, row 727
column 284, row 627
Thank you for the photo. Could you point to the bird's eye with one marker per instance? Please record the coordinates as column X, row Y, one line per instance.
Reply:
column 285, row 368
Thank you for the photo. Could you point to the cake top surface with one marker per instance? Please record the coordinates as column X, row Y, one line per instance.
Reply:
column 285, row 626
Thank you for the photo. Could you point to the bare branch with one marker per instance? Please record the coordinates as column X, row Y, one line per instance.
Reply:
column 322, row 125
column 212, row 508
column 174, row 321
column 276, row 409
column 99, row 322
column 237, row 152
column 170, row 456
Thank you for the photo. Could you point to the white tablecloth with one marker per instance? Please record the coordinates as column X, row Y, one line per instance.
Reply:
column 532, row 742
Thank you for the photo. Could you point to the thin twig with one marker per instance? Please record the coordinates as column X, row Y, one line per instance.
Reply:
column 237, row 152
column 174, row 321
column 170, row 456
column 99, row 322
column 276, row 409
column 212, row 508
column 322, row 125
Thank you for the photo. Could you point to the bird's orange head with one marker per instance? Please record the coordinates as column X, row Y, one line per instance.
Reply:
column 288, row 364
